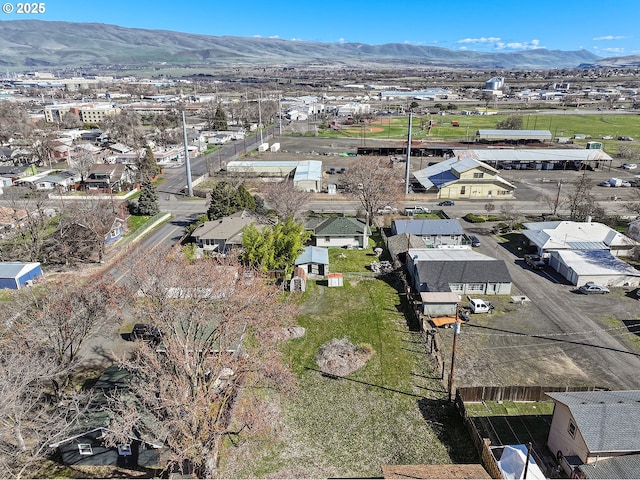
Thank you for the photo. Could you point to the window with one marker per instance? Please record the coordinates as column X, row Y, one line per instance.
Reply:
column 478, row 175
column 475, row 287
column 572, row 429
column 463, row 190
column 85, row 449
column 124, row 449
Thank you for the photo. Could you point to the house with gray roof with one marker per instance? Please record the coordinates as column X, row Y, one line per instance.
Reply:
column 340, row 232
column 225, row 233
column 461, row 271
column 597, row 430
column 434, row 233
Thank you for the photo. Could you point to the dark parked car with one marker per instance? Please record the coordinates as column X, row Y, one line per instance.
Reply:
column 447, row 203
column 534, row 261
column 475, row 241
column 145, row 332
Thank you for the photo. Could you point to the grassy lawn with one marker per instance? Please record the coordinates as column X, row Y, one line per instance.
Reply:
column 486, row 409
column 391, row 411
column 566, row 124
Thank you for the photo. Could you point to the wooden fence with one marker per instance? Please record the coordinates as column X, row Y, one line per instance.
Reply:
column 515, row 393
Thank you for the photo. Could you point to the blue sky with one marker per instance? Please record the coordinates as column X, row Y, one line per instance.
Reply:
column 606, row 28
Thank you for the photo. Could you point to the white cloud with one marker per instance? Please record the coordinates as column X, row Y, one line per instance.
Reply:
column 532, row 45
column 610, row 37
column 480, row 40
column 274, row 36
column 612, row 50
column 341, row 40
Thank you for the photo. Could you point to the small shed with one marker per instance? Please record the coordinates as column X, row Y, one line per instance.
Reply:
column 439, row 304
column 335, row 280
column 314, row 261
column 15, row 275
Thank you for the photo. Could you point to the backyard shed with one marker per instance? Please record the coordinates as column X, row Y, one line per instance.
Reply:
column 15, row 275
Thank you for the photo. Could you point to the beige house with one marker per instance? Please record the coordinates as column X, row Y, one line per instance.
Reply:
column 596, row 434
column 464, row 178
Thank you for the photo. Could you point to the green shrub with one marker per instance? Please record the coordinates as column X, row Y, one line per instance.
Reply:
column 473, row 218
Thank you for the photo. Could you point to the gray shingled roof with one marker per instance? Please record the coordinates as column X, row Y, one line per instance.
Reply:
column 623, row 466
column 436, row 273
column 608, row 421
column 428, row 227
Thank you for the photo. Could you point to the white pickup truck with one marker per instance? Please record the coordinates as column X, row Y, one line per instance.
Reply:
column 410, row 211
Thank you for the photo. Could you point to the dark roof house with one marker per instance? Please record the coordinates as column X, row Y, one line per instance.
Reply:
column 88, row 446
column 341, row 232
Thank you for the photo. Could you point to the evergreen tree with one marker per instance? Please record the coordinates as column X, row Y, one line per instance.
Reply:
column 224, row 201
column 148, row 200
column 220, row 119
column 147, row 166
column 245, row 199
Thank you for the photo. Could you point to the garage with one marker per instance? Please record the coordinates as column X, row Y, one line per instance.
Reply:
column 597, row 266
column 15, row 275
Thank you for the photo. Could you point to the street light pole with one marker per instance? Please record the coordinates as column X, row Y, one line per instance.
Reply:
column 406, row 189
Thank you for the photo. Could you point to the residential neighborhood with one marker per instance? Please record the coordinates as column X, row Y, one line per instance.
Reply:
column 290, row 273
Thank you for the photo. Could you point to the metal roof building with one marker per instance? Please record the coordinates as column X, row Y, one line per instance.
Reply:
column 514, row 135
column 522, row 158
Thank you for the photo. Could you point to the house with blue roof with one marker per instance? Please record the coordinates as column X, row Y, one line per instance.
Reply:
column 464, row 178
column 596, row 434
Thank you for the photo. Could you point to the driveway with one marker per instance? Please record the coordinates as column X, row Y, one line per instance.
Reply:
column 557, row 338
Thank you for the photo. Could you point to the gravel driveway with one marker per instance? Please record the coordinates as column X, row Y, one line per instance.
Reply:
column 557, row 338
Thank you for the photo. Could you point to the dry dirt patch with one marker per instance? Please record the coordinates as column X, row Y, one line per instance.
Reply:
column 340, row 357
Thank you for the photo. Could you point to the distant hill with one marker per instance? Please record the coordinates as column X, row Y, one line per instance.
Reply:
column 35, row 43
column 629, row 61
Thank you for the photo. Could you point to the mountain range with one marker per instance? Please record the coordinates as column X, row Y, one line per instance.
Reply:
column 42, row 44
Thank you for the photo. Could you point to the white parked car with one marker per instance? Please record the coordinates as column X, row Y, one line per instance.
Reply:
column 629, row 166
column 387, row 209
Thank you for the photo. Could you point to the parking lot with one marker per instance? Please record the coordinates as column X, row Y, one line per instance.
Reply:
column 557, row 337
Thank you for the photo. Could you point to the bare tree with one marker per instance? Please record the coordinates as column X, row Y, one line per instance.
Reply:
column 510, row 214
column 286, row 199
column 30, row 420
column 82, row 231
column 582, row 203
column 125, row 127
column 14, row 121
column 82, row 164
column 219, row 327
column 374, row 182
column 60, row 318
column 30, row 212
column 555, row 201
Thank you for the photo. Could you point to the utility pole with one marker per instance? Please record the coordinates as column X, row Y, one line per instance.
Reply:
column 187, row 163
column 406, row 189
column 555, row 205
column 526, row 463
column 456, row 330
column 260, row 118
